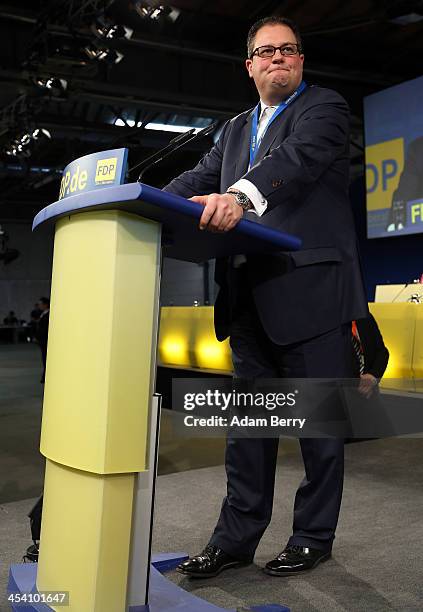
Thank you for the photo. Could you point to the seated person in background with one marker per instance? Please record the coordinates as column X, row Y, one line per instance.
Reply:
column 10, row 319
column 370, row 354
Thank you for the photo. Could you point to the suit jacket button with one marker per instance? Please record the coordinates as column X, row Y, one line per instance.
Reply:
column 277, row 183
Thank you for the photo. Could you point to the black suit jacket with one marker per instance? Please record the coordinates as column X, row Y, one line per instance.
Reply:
column 301, row 168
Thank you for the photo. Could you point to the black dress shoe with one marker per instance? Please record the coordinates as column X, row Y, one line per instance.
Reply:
column 296, row 559
column 209, row 563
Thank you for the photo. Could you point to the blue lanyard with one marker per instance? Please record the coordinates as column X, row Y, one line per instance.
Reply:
column 254, row 144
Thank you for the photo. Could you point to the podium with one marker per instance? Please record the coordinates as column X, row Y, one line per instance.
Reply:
column 100, row 415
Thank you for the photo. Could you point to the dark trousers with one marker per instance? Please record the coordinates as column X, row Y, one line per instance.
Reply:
column 251, row 463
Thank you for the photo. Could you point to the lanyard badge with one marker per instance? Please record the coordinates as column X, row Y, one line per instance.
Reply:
column 254, row 143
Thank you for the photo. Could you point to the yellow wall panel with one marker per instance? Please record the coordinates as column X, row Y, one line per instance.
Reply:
column 187, row 340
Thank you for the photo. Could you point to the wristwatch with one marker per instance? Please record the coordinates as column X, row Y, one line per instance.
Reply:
column 241, row 198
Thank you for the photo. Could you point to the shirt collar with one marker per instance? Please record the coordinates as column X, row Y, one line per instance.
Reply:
column 263, row 106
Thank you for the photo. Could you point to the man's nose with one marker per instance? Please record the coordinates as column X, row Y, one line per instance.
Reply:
column 278, row 56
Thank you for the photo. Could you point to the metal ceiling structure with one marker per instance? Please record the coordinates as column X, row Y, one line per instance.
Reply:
column 68, row 71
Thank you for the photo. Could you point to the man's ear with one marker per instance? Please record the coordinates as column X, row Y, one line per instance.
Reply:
column 249, row 65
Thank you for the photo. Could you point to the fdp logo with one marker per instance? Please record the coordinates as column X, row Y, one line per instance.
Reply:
column 384, row 164
column 106, row 170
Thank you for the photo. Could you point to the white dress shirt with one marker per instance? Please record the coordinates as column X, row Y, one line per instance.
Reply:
column 250, row 190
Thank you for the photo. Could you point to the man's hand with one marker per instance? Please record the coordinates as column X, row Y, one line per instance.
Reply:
column 221, row 212
column 367, row 385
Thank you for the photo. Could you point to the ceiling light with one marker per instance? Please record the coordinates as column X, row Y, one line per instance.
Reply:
column 111, row 31
column 167, row 127
column 25, row 140
column 55, row 85
column 103, row 54
column 153, row 10
column 23, row 144
column 406, row 19
column 127, row 123
column 41, row 134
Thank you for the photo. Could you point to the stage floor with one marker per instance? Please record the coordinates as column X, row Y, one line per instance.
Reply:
column 376, row 566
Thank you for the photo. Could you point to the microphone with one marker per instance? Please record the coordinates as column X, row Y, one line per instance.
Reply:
column 175, row 144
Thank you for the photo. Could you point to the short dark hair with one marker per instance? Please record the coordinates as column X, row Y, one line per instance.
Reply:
column 272, row 20
column 45, row 300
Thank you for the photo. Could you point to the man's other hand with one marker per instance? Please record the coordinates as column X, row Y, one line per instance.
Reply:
column 221, row 212
column 367, row 385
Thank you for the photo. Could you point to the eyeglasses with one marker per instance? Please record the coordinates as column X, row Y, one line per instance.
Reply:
column 269, row 50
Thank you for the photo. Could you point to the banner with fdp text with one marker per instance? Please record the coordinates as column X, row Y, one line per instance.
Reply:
column 393, row 126
column 94, row 171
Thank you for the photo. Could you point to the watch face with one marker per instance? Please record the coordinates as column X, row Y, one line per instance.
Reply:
column 242, row 199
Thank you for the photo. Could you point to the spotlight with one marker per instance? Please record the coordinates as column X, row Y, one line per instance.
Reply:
column 103, row 54
column 41, row 134
column 20, row 146
column 23, row 144
column 25, row 140
column 55, row 85
column 110, row 30
column 152, row 9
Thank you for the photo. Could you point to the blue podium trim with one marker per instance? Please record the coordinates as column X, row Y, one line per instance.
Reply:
column 81, row 201
column 161, row 206
column 195, row 210
column 165, row 596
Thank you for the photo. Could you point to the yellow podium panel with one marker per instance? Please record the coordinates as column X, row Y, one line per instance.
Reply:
column 102, row 337
column 85, row 538
column 397, row 323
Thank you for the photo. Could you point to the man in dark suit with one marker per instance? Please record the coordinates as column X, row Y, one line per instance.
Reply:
column 285, row 164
